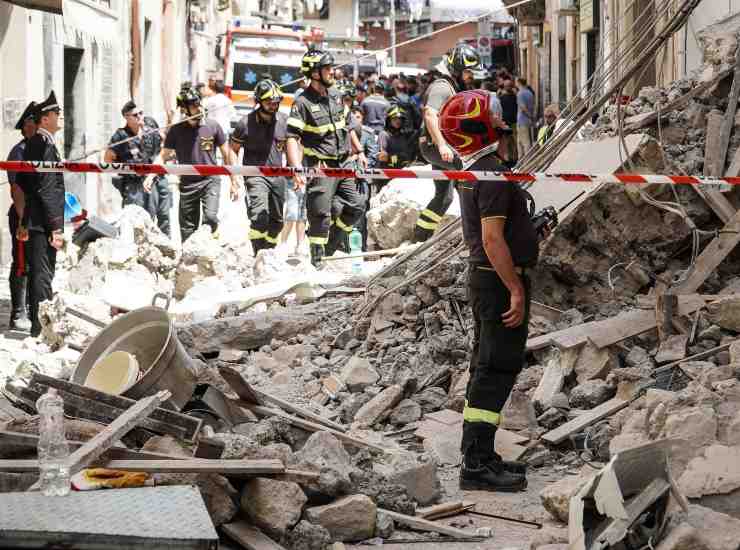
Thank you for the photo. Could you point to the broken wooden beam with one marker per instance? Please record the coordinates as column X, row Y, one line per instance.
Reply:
column 710, row 258
column 161, row 421
column 728, row 123
column 249, row 537
column 611, row 331
column 171, row 466
column 444, row 509
column 311, row 426
column 421, row 524
column 247, row 393
column 29, row 442
column 561, row 433
column 110, row 435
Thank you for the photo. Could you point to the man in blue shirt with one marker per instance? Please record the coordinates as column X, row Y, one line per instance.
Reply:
column 525, row 117
column 17, row 280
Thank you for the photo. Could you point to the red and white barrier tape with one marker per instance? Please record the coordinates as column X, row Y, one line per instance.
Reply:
column 372, row 174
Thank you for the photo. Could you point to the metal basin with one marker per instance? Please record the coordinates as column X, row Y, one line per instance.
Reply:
column 149, row 335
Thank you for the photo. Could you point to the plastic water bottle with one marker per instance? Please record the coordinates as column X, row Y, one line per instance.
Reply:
column 52, row 447
column 355, row 249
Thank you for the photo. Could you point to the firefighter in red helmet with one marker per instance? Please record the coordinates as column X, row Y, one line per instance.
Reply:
column 503, row 246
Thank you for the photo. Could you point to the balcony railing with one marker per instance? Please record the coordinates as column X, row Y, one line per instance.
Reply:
column 378, row 9
column 532, row 13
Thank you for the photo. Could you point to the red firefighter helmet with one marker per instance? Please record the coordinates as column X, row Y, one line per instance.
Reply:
column 466, row 122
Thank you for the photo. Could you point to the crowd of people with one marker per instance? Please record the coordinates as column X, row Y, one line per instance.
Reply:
column 456, row 117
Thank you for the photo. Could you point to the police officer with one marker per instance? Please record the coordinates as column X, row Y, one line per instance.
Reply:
column 459, row 68
column 503, row 246
column 42, row 224
column 375, row 106
column 194, row 141
column 397, row 144
column 18, row 267
column 318, row 136
column 262, row 135
column 142, row 149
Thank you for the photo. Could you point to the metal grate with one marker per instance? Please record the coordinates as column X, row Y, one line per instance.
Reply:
column 673, row 379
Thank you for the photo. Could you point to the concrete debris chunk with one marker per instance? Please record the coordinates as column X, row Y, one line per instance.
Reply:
column 350, row 518
column 590, row 394
column 406, row 412
column 374, row 409
column 358, row 374
column 308, row 536
column 272, row 505
column 418, row 477
column 325, row 454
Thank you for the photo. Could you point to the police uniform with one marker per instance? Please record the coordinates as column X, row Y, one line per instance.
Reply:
column 320, row 123
column 498, row 351
column 19, row 265
column 143, row 149
column 43, row 214
column 263, row 144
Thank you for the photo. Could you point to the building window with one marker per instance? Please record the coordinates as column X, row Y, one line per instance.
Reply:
column 104, row 3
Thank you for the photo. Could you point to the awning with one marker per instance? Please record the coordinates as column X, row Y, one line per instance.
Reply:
column 452, row 11
column 53, row 6
column 76, row 24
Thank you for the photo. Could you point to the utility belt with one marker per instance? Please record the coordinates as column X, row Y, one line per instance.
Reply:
column 313, row 162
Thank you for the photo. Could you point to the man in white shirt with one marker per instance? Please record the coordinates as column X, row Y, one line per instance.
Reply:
column 220, row 108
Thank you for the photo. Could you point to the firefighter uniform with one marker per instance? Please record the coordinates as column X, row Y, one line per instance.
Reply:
column 470, row 123
column 263, row 142
column 319, row 122
column 43, row 214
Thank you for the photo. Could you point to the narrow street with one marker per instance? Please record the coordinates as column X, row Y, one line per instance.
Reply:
column 335, row 274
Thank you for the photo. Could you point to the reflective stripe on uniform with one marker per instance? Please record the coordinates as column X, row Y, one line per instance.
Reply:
column 324, row 127
column 255, row 235
column 343, row 226
column 296, row 123
column 314, row 153
column 427, row 225
column 432, row 215
column 318, row 240
column 471, row 414
column 271, row 240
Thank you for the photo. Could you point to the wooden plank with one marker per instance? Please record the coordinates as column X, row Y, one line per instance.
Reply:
column 710, row 258
column 241, row 387
column 561, row 433
column 728, row 123
column 171, row 466
column 249, row 537
column 89, row 409
column 421, row 524
column 311, row 426
column 7, row 409
column 435, row 510
column 247, row 393
column 190, row 426
column 30, row 442
column 610, row 331
column 617, row 528
column 711, row 148
column 105, row 439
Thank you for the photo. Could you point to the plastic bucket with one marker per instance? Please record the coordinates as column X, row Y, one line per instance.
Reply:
column 149, row 335
column 114, row 373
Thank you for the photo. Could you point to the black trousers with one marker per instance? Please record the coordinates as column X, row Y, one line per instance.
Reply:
column 431, row 216
column 320, row 201
column 497, row 359
column 159, row 203
column 17, row 277
column 194, row 195
column 265, row 202
column 42, row 259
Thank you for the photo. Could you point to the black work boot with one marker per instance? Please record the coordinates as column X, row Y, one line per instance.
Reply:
column 513, row 466
column 421, row 235
column 317, row 254
column 480, row 472
column 18, row 313
column 338, row 240
column 480, row 437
